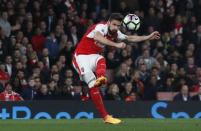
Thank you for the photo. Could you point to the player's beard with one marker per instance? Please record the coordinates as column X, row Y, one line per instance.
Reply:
column 111, row 32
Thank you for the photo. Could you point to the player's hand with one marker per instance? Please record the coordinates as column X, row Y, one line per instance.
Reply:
column 154, row 35
column 121, row 45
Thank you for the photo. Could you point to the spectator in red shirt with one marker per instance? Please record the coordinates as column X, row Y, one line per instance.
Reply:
column 128, row 94
column 38, row 41
column 9, row 95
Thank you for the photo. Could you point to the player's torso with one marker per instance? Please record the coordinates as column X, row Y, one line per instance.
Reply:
column 88, row 45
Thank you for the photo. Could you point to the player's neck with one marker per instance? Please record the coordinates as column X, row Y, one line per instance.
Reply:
column 110, row 33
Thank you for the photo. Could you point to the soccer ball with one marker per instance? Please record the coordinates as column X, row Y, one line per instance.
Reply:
column 131, row 22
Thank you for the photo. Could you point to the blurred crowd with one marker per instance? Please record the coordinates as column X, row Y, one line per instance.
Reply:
column 38, row 37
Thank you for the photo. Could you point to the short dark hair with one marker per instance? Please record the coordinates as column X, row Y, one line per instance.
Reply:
column 116, row 16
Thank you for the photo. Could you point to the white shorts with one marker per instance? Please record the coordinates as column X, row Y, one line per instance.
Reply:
column 86, row 63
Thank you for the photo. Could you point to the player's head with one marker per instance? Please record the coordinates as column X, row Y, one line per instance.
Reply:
column 114, row 22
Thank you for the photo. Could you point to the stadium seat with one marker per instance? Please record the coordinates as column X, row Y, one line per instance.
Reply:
column 166, row 96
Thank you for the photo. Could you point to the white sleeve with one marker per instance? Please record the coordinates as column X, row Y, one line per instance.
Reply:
column 121, row 36
column 100, row 28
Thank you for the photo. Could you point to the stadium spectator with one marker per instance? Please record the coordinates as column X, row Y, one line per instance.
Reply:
column 9, row 95
column 63, row 42
column 4, row 77
column 113, row 92
column 183, row 95
column 151, row 88
column 5, row 24
column 123, row 75
column 128, row 94
column 50, row 19
column 8, row 65
column 38, row 40
column 198, row 96
column 149, row 60
column 190, row 67
column 68, row 51
column 197, row 81
column 53, row 88
column 143, row 72
column 53, row 46
column 37, row 82
column 74, row 36
column 1, row 87
column 112, row 60
column 46, row 59
column 43, row 93
column 2, row 51
column 168, row 85
column 19, row 81
column 137, row 85
column 29, row 91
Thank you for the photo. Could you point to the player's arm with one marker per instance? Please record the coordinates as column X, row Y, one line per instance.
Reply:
column 135, row 38
column 100, row 38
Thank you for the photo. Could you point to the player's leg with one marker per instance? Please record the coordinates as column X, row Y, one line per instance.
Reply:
column 90, row 78
column 97, row 100
column 100, row 71
column 98, row 65
column 87, row 75
column 85, row 69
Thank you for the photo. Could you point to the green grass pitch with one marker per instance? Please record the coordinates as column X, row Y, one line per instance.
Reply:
column 98, row 125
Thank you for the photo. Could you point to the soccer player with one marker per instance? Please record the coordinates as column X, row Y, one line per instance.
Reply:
column 91, row 66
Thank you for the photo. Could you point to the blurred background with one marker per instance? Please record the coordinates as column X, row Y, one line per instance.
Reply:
column 38, row 37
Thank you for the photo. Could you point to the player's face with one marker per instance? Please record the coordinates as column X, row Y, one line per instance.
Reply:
column 114, row 25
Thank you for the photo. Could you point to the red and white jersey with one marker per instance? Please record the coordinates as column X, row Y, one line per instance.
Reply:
column 88, row 45
column 12, row 96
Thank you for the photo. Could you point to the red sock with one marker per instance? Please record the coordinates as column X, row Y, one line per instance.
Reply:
column 97, row 100
column 101, row 67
